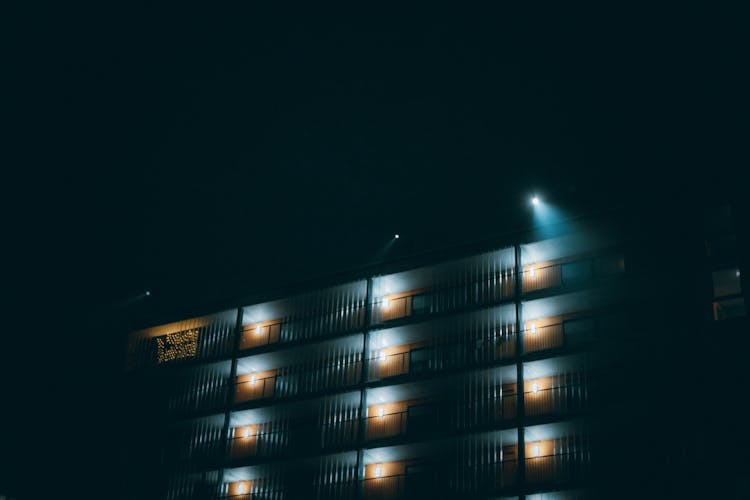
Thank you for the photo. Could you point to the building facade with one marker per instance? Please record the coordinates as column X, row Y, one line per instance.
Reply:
column 527, row 367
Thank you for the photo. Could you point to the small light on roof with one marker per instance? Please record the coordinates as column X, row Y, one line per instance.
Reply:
column 535, row 200
column 396, row 236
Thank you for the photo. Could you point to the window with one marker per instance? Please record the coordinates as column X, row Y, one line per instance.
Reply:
column 419, row 360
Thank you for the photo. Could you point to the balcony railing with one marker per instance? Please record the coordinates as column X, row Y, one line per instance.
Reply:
column 542, row 277
column 298, row 380
column 256, row 336
column 389, row 425
column 391, row 365
column 557, row 468
column 377, row 488
column 250, row 390
column 262, row 444
column 442, row 298
column 555, row 400
column 543, row 337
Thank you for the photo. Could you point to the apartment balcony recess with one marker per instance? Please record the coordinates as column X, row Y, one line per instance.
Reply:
column 262, row 440
column 402, row 479
column 441, row 298
column 561, row 394
column 538, row 336
column 260, row 334
column 557, row 468
column 255, row 386
column 556, row 457
column 549, row 275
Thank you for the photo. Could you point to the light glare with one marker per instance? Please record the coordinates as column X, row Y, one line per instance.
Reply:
column 378, row 471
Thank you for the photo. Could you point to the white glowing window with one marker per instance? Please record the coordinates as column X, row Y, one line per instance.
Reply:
column 534, row 387
column 378, row 471
column 536, row 450
column 386, row 302
column 242, row 488
column 381, row 411
column 253, row 380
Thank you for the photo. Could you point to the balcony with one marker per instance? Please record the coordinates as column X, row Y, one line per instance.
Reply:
column 442, row 298
column 255, row 387
column 555, row 395
column 548, row 275
column 260, row 334
column 342, row 434
column 561, row 468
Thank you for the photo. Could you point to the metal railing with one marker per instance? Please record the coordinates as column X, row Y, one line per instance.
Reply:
column 441, row 298
column 557, row 468
column 388, row 425
column 377, row 488
column 249, row 390
column 561, row 399
column 391, row 365
column 543, row 337
column 541, row 278
column 256, row 336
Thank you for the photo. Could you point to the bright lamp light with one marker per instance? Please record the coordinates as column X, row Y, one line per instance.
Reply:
column 378, row 471
column 534, row 387
column 536, row 450
column 253, row 380
column 386, row 302
column 533, row 328
column 383, row 356
column 535, row 200
column 242, row 489
column 381, row 411
column 258, row 329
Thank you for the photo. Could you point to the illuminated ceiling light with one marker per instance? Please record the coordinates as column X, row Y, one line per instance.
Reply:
column 532, row 272
column 253, row 380
column 383, row 356
column 737, row 274
column 386, row 302
column 149, row 292
column 535, row 200
column 395, row 236
column 378, row 471
column 381, row 411
column 533, row 328
column 536, row 450
column 258, row 329
column 534, row 387
column 242, row 489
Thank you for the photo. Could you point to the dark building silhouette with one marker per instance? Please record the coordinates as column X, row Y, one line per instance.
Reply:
column 598, row 357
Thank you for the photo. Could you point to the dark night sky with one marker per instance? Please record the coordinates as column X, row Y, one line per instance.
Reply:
column 201, row 154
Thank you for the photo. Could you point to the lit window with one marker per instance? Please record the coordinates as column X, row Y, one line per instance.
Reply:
column 534, row 387
column 536, row 450
column 378, row 471
column 381, row 411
